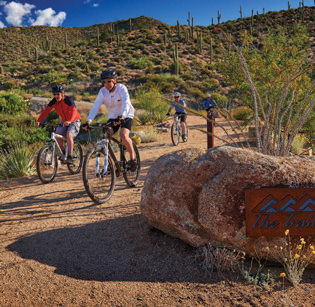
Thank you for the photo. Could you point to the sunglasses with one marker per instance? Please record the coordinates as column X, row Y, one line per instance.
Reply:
column 176, row 96
column 57, row 94
column 108, row 81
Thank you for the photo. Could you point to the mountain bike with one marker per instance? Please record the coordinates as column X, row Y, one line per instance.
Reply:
column 49, row 155
column 101, row 166
column 177, row 132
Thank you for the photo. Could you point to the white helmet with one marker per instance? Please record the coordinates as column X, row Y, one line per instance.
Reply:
column 208, row 95
column 177, row 94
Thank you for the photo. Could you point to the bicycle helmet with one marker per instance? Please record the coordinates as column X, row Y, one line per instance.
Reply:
column 58, row 88
column 177, row 94
column 108, row 74
column 208, row 95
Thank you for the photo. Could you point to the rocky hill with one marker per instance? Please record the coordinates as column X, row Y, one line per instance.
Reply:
column 144, row 50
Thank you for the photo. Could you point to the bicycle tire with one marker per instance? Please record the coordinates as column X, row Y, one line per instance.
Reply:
column 99, row 187
column 46, row 169
column 186, row 134
column 77, row 156
column 175, row 134
column 131, row 177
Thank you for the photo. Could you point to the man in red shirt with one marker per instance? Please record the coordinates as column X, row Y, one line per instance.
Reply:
column 69, row 125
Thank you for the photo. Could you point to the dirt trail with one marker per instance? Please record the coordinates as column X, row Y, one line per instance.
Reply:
column 57, row 248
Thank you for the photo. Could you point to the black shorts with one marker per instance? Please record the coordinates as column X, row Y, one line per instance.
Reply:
column 126, row 124
column 182, row 116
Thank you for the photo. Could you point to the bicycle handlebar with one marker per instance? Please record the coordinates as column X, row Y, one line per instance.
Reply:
column 101, row 125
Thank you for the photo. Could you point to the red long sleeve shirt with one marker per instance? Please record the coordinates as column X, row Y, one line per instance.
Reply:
column 65, row 108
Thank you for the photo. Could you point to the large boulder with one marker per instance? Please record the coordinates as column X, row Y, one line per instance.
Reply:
column 199, row 196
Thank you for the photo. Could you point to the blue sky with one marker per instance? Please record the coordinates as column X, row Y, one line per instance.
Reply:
column 80, row 13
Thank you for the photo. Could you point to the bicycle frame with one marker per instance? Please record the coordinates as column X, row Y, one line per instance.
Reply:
column 53, row 141
column 105, row 144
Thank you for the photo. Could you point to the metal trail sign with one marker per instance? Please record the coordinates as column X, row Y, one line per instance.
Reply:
column 270, row 211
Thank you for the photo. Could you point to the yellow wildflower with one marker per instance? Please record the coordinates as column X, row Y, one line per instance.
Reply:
column 299, row 246
column 267, row 248
column 282, row 274
column 296, row 256
column 311, row 247
column 313, row 252
column 302, row 241
column 287, row 232
column 276, row 246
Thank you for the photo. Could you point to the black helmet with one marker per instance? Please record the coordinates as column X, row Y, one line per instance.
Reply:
column 108, row 74
column 58, row 88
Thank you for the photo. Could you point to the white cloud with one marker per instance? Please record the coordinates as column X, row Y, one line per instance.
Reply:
column 95, row 4
column 49, row 17
column 2, row 25
column 16, row 12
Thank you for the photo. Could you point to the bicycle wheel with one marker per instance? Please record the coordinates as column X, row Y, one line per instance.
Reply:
column 98, row 186
column 46, row 164
column 131, row 177
column 175, row 134
column 186, row 134
column 77, row 157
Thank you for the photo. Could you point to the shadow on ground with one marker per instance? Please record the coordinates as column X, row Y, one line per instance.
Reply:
column 122, row 249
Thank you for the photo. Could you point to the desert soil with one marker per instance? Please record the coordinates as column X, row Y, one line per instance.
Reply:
column 60, row 249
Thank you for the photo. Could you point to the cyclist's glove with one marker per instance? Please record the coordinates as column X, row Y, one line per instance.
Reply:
column 87, row 125
column 120, row 119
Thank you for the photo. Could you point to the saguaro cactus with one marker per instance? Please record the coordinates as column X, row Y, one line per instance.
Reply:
column 176, row 64
column 211, row 51
column 66, row 41
column 98, row 36
column 36, row 54
column 192, row 27
column 188, row 19
column 219, row 17
column 130, row 24
column 178, row 29
column 241, row 14
column 252, row 22
column 289, row 5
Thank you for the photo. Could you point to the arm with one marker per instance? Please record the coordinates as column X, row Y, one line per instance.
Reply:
column 46, row 111
column 96, row 106
column 125, row 100
column 169, row 110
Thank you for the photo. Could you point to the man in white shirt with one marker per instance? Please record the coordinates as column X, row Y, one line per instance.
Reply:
column 116, row 99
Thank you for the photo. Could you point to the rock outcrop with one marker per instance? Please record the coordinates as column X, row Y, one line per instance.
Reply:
column 199, row 196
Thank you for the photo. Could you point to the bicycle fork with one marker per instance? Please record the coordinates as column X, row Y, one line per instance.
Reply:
column 103, row 144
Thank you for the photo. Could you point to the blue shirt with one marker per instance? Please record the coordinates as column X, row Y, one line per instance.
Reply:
column 209, row 103
column 178, row 109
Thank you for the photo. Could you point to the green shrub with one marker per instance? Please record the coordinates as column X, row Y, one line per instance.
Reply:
column 20, row 128
column 54, row 77
column 16, row 161
column 244, row 114
column 12, row 104
column 221, row 100
column 140, row 63
column 299, row 143
column 151, row 101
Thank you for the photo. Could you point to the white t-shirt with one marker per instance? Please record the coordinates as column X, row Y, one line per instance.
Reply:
column 117, row 103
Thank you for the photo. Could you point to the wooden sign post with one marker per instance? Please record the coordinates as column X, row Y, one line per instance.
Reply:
column 210, row 129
